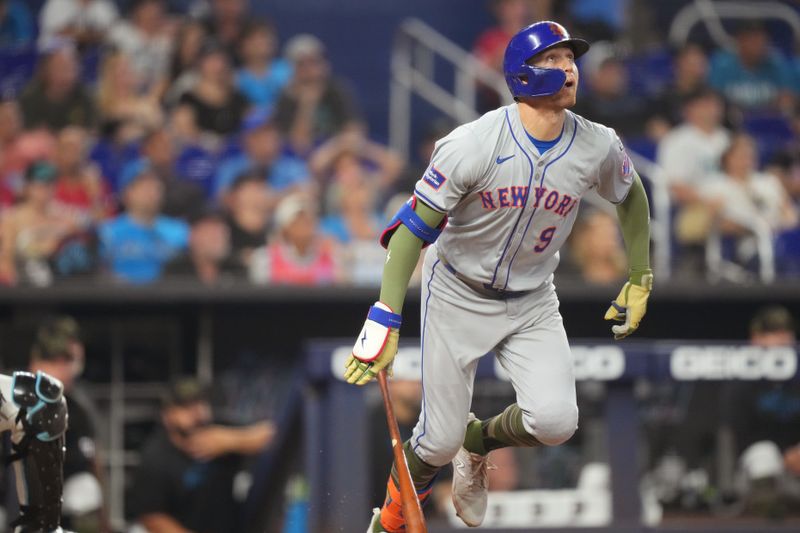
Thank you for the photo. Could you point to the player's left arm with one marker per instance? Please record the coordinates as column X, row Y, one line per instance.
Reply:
column 631, row 304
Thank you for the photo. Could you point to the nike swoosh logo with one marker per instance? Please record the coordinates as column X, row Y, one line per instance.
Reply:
column 363, row 339
column 458, row 463
column 500, row 160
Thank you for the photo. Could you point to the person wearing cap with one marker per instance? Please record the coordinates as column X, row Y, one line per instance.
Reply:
column 138, row 243
column 263, row 155
column 297, row 253
column 753, row 76
column 59, row 351
column 209, row 260
column 32, row 231
column 56, row 97
column 314, row 106
column 218, row 106
column 765, row 420
column 185, row 480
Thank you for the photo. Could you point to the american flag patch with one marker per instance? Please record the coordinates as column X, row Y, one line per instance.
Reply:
column 434, row 178
column 626, row 165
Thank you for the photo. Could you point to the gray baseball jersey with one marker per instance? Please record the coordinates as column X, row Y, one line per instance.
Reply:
column 510, row 209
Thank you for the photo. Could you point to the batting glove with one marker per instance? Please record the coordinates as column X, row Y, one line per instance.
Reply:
column 631, row 304
column 375, row 346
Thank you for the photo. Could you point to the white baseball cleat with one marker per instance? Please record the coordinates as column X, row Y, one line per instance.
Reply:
column 470, row 486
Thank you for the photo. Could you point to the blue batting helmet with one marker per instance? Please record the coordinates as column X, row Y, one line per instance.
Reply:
column 526, row 80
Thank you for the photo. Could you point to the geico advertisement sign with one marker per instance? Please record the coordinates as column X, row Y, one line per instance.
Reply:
column 733, row 362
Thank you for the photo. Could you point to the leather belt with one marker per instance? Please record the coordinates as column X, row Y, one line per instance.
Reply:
column 482, row 288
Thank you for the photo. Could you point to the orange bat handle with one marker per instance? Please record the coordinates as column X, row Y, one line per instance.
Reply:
column 412, row 512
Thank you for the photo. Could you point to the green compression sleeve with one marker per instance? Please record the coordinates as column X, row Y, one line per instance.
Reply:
column 634, row 217
column 401, row 259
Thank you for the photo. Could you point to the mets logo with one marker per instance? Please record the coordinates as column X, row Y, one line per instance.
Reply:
column 558, row 29
column 626, row 165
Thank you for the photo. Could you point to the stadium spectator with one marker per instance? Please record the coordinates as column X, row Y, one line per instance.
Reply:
column 120, row 101
column 248, row 214
column 765, row 416
column 209, row 260
column 226, row 23
column 145, row 38
column 182, row 198
column 184, row 59
column 689, row 156
column 16, row 24
column 218, row 107
column 262, row 76
column 754, row 76
column 138, row 243
column 690, row 74
column 297, row 254
column 86, row 22
column 610, row 102
column 351, row 157
column 185, row 481
column 314, row 106
column 596, row 250
column 32, row 231
column 58, row 350
column 56, row 98
column 19, row 148
column 80, row 185
column 263, row 155
column 511, row 16
column 746, row 195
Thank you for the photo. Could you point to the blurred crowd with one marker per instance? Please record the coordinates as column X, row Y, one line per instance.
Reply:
column 192, row 141
column 199, row 150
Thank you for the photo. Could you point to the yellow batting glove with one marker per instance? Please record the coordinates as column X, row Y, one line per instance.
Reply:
column 630, row 305
column 375, row 346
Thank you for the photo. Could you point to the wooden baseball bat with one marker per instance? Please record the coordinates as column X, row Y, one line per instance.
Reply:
column 412, row 511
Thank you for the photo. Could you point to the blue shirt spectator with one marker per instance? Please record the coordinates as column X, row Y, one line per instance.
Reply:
column 283, row 173
column 754, row 77
column 136, row 245
column 16, row 24
column 261, row 77
column 263, row 89
column 263, row 145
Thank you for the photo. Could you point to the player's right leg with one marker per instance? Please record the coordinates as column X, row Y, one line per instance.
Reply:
column 452, row 341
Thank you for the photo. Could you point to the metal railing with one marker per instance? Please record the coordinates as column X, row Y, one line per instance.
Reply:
column 414, row 57
column 719, row 268
column 710, row 13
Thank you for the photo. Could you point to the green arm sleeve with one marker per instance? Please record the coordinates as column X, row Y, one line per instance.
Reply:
column 634, row 217
column 401, row 259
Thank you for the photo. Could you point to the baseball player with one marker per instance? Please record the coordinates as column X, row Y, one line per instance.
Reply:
column 34, row 411
column 494, row 207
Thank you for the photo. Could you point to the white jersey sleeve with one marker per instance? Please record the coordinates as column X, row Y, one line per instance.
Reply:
column 616, row 172
column 456, row 167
